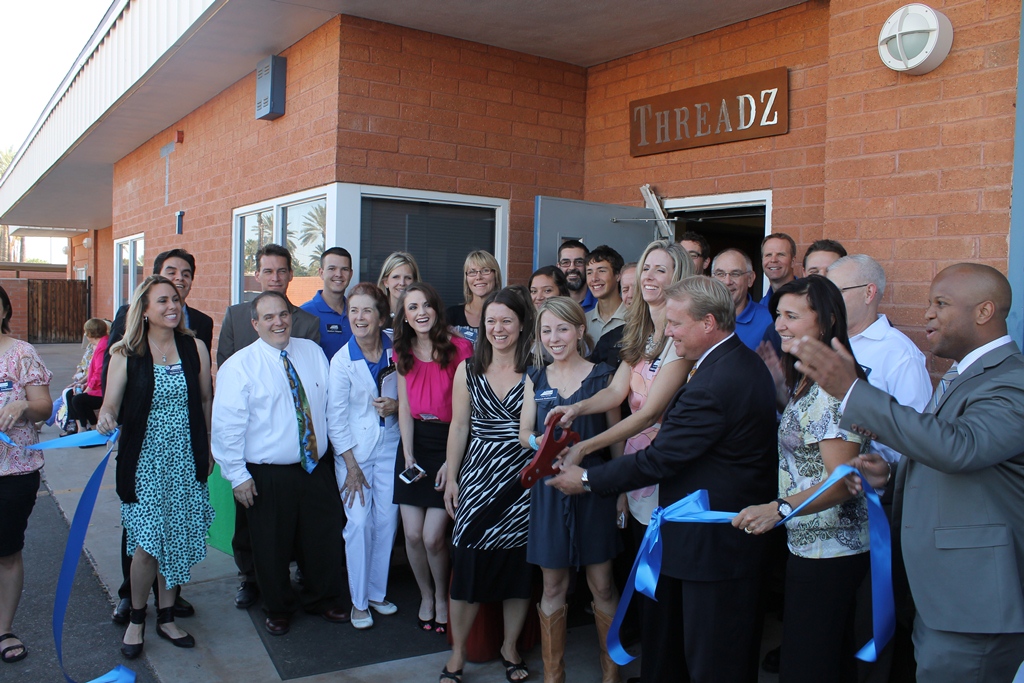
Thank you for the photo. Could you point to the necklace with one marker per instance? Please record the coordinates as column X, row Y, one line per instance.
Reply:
column 164, row 353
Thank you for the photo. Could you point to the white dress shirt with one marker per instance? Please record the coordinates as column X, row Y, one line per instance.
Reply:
column 254, row 412
column 895, row 365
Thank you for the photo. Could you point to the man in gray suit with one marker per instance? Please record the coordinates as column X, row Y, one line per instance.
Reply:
column 959, row 499
column 273, row 272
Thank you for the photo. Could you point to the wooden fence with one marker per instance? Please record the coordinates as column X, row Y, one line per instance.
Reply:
column 57, row 310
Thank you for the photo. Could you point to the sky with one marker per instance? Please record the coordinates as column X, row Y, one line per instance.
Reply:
column 40, row 42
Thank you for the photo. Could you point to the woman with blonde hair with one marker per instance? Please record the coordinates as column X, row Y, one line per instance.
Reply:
column 568, row 532
column 159, row 391
column 483, row 276
column 398, row 272
column 649, row 375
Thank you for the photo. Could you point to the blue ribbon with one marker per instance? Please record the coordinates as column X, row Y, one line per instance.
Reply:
column 76, row 541
column 694, row 509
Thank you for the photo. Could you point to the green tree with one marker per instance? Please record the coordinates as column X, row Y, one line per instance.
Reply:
column 314, row 232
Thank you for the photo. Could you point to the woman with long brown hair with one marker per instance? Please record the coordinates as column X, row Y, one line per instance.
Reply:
column 427, row 355
column 159, row 390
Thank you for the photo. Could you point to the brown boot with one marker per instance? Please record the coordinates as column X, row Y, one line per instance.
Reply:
column 609, row 669
column 552, row 644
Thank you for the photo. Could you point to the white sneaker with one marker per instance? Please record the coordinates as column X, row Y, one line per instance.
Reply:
column 383, row 607
column 361, row 623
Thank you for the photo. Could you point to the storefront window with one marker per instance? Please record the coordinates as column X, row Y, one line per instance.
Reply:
column 305, row 228
column 130, row 257
column 437, row 235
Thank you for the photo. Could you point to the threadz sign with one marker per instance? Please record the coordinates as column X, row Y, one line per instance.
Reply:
column 743, row 108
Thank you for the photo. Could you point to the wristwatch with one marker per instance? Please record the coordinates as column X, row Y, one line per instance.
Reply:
column 585, row 481
column 784, row 508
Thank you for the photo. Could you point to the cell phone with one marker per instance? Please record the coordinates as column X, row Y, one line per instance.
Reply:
column 621, row 521
column 412, row 474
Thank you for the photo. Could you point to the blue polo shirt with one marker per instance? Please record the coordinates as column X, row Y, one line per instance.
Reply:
column 589, row 301
column 335, row 330
column 752, row 323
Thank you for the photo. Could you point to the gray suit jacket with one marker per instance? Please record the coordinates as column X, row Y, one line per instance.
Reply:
column 237, row 332
column 959, row 497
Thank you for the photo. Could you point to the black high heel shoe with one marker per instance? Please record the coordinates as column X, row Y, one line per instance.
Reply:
column 135, row 616
column 165, row 615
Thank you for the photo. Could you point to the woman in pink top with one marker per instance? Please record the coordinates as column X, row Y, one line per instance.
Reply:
column 83, row 407
column 427, row 355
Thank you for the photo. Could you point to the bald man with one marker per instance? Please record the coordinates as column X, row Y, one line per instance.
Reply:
column 958, row 511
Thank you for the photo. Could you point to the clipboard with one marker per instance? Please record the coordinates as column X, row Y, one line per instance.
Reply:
column 541, row 465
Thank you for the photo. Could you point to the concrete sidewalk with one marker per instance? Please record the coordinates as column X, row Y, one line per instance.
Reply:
column 228, row 648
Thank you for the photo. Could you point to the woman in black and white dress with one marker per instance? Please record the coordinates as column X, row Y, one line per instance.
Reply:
column 483, row 493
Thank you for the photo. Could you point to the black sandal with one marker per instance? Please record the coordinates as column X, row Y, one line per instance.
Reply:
column 440, row 628
column 165, row 615
column 426, row 624
column 20, row 646
column 135, row 616
column 512, row 668
column 447, row 675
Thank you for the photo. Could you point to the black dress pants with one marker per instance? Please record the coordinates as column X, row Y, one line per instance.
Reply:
column 818, row 628
column 701, row 631
column 297, row 512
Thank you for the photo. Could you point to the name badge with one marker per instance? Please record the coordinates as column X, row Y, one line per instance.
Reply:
column 334, row 328
column 7, row 386
column 546, row 395
column 654, row 364
column 173, row 369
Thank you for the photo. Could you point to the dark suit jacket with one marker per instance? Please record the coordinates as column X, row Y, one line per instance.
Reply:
column 237, row 332
column 719, row 434
column 959, row 498
column 198, row 322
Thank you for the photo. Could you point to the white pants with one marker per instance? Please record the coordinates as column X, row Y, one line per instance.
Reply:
column 370, row 530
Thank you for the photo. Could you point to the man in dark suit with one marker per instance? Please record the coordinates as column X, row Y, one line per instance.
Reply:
column 178, row 266
column 719, row 434
column 958, row 507
column 274, row 273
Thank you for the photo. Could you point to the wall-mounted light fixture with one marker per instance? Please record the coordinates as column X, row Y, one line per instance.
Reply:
column 915, row 39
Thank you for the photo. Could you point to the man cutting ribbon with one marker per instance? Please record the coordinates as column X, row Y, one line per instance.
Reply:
column 718, row 434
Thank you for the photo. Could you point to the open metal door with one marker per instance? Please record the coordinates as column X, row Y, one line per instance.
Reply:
column 626, row 229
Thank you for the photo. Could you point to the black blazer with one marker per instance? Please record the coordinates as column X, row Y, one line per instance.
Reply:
column 719, row 433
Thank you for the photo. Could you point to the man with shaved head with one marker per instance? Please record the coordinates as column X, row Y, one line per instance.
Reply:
column 958, row 512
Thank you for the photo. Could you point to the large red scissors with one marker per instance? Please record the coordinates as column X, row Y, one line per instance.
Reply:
column 542, row 464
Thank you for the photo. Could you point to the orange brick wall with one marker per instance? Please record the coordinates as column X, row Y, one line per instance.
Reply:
column 229, row 159
column 913, row 170
column 17, row 292
column 792, row 165
column 918, row 168
column 103, row 275
column 426, row 111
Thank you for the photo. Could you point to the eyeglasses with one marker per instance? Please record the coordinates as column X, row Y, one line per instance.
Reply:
column 734, row 274
column 482, row 271
column 843, row 289
column 565, row 263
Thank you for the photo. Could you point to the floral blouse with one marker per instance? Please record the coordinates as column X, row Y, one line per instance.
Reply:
column 838, row 531
column 20, row 366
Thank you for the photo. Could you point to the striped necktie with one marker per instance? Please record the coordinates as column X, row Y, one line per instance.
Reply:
column 308, row 453
column 944, row 383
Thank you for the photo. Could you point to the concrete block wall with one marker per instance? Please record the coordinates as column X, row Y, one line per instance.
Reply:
column 425, row 111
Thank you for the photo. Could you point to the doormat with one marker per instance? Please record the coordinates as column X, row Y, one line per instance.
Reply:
column 314, row 646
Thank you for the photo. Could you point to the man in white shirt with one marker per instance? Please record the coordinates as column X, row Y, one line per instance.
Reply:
column 893, row 362
column 270, row 439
